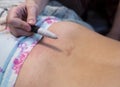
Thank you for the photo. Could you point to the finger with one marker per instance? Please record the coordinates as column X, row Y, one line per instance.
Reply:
column 20, row 32
column 18, row 23
column 14, row 18
column 32, row 14
column 12, row 13
column 16, row 12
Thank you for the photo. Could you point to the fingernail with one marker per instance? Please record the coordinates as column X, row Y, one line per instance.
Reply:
column 31, row 21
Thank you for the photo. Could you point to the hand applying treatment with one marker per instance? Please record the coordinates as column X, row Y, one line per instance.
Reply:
column 20, row 17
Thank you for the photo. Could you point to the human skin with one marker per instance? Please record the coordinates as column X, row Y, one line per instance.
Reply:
column 78, row 58
column 22, row 16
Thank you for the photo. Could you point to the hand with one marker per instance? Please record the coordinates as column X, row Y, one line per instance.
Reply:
column 20, row 18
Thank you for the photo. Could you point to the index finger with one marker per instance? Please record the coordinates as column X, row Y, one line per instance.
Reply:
column 15, row 19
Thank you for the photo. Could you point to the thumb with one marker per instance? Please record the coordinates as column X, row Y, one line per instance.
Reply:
column 32, row 14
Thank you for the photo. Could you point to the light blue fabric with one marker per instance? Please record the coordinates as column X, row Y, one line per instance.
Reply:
column 56, row 9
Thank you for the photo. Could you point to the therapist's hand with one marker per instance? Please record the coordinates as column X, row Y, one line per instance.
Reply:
column 20, row 18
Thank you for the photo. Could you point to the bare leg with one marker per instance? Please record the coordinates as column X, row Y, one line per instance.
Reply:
column 79, row 58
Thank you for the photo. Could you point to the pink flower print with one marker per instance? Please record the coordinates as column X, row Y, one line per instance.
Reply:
column 17, row 66
column 18, row 62
column 50, row 20
column 34, row 43
column 1, row 70
column 23, row 46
